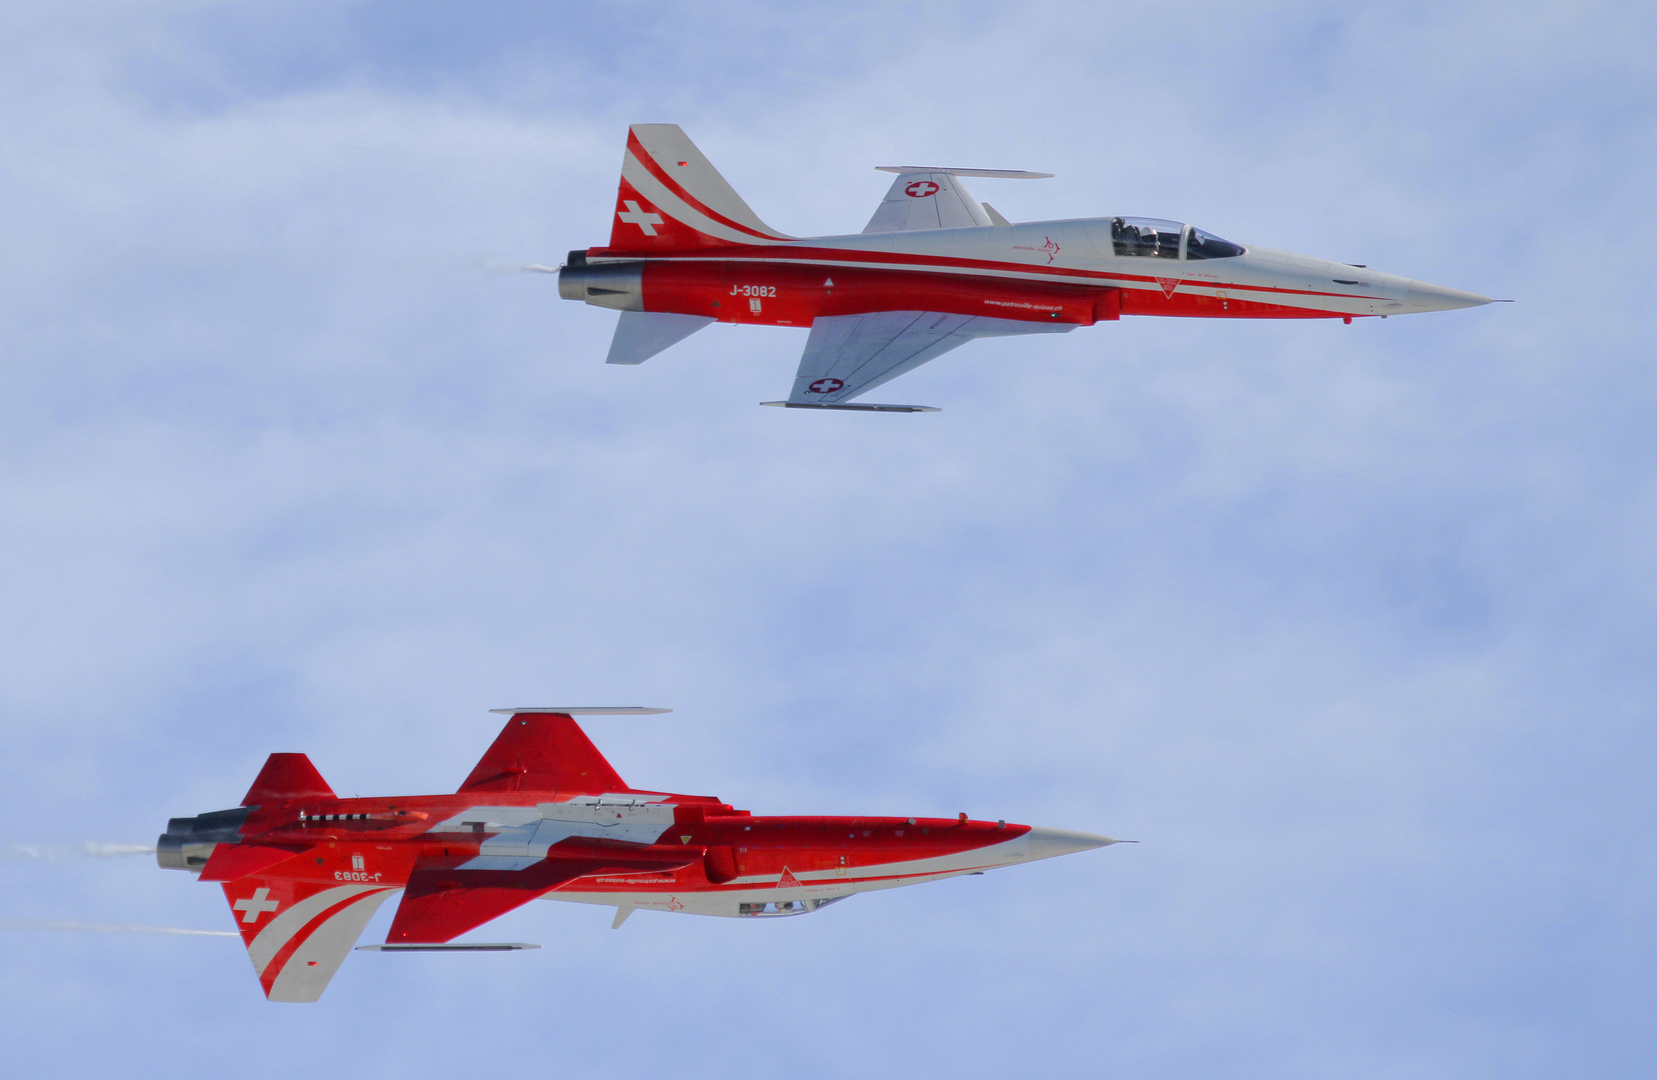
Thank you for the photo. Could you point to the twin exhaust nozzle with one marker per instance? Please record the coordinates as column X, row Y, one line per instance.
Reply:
column 189, row 841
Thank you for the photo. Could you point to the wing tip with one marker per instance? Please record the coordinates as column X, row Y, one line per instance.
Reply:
column 994, row 174
column 449, row 946
column 851, row 406
column 585, row 710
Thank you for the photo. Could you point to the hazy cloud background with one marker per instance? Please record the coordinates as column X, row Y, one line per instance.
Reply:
column 1352, row 627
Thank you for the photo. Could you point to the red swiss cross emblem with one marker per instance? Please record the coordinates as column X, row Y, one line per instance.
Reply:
column 920, row 189
column 825, row 386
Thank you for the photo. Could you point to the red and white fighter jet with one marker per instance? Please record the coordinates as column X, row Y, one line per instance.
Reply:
column 932, row 270
column 542, row 815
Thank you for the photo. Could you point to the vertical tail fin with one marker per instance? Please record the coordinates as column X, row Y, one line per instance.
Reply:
column 298, row 931
column 673, row 198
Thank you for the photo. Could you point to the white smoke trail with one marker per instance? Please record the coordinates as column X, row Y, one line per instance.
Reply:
column 106, row 928
column 498, row 266
column 87, row 849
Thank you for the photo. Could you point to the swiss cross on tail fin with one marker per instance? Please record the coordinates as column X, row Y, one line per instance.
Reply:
column 298, row 932
column 672, row 197
column 301, row 917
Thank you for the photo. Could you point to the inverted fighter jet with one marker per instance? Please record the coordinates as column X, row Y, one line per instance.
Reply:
column 933, row 269
column 543, row 815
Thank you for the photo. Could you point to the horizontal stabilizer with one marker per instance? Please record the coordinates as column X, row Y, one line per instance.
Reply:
column 852, row 407
column 642, row 334
column 287, row 777
column 453, row 946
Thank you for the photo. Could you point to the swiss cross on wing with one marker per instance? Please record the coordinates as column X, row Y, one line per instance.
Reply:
column 920, row 189
column 825, row 386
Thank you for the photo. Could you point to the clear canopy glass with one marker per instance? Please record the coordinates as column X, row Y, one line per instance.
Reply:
column 1156, row 238
column 1205, row 245
column 1147, row 237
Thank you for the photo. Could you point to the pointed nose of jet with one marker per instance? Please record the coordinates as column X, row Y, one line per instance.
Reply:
column 1420, row 296
column 1047, row 843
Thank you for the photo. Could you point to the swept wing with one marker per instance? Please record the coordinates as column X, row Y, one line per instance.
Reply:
column 849, row 355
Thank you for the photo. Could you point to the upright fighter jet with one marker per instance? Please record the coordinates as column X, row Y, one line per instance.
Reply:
column 542, row 815
column 933, row 269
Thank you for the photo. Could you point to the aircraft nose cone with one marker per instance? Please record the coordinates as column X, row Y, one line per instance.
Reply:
column 1421, row 296
column 1047, row 843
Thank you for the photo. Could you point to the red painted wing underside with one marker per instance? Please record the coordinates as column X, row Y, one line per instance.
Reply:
column 443, row 903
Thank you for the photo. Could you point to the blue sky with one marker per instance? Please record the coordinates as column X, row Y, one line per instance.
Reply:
column 1351, row 627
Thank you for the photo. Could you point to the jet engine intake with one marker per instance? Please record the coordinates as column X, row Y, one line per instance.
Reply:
column 720, row 865
column 611, row 285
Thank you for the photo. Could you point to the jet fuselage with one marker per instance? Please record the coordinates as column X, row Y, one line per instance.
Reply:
column 1055, row 272
column 648, row 850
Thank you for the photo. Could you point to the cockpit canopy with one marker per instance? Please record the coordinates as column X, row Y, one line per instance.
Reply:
column 1158, row 239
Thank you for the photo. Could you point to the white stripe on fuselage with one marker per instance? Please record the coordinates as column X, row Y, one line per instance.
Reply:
column 523, row 834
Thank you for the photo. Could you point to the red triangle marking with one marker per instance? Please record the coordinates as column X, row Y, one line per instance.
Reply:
column 1169, row 284
column 788, row 880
